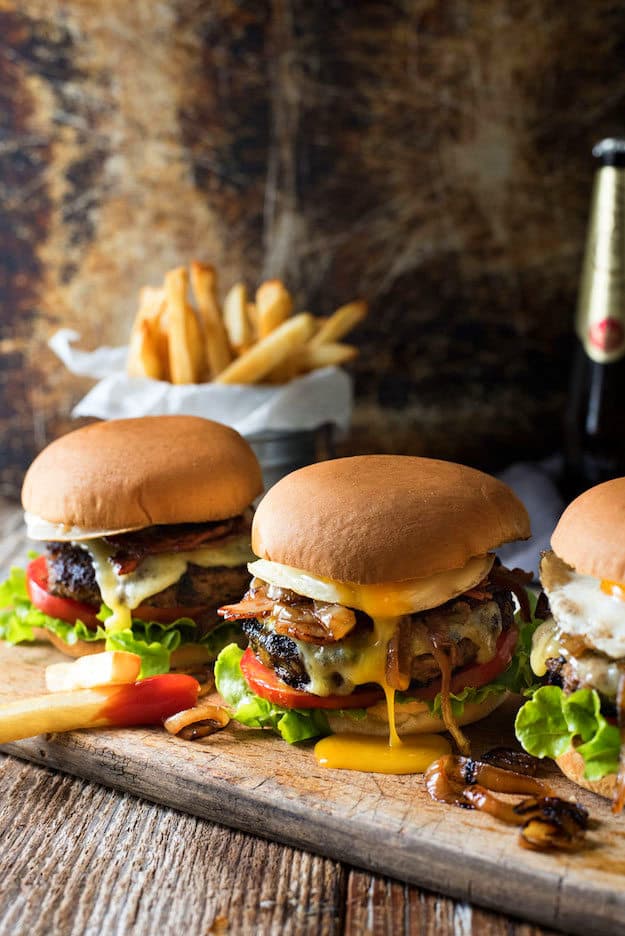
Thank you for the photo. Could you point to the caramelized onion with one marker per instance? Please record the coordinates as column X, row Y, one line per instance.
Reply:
column 451, row 724
column 546, row 821
column 252, row 605
column 203, row 719
column 395, row 677
column 319, row 622
column 450, row 775
column 551, row 822
column 509, row 759
column 481, row 798
column 515, row 580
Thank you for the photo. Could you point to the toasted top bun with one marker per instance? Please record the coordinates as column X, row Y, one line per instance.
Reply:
column 590, row 535
column 572, row 766
column 410, row 718
column 126, row 474
column 385, row 518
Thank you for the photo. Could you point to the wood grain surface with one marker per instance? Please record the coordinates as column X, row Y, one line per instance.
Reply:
column 78, row 858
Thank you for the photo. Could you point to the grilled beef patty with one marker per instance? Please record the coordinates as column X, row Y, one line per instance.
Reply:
column 288, row 657
column 71, row 575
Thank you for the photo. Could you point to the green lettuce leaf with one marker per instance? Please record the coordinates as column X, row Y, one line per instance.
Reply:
column 19, row 617
column 249, row 709
column 551, row 722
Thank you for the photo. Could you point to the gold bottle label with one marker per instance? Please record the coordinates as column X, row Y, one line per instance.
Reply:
column 601, row 308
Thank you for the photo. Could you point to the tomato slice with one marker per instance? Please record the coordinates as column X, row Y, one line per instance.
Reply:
column 64, row 608
column 71, row 611
column 266, row 684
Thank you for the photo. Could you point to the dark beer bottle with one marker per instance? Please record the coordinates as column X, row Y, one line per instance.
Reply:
column 594, row 423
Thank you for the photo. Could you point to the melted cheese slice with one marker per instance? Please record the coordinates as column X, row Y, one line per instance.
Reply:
column 545, row 645
column 122, row 593
column 388, row 599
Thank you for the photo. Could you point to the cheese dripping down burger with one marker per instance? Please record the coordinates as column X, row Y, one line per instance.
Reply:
column 376, row 589
column 146, row 524
column 578, row 718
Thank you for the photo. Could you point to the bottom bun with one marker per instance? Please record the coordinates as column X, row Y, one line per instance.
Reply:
column 572, row 766
column 410, row 717
column 185, row 657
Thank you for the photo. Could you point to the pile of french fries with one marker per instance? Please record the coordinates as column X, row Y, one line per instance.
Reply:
column 241, row 342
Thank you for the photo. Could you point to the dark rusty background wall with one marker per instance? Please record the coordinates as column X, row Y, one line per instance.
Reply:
column 431, row 155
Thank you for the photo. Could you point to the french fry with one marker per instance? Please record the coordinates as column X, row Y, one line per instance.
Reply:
column 236, row 319
column 171, row 341
column 217, row 347
column 271, row 351
column 111, row 668
column 341, row 322
column 147, row 702
column 183, row 337
column 143, row 357
column 153, row 305
column 274, row 305
column 326, row 355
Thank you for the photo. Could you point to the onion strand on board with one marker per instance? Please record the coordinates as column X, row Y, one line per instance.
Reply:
column 202, row 720
column 547, row 822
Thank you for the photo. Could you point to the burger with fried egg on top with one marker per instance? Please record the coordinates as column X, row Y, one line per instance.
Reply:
column 579, row 649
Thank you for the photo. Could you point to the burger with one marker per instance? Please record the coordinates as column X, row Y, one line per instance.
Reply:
column 579, row 648
column 377, row 601
column 144, row 527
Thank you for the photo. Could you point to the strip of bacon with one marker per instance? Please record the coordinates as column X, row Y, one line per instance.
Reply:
column 478, row 594
column 132, row 548
column 250, row 606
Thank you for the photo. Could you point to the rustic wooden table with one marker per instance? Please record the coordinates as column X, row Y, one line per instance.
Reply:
column 77, row 858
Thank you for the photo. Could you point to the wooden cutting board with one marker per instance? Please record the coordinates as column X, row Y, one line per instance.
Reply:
column 253, row 781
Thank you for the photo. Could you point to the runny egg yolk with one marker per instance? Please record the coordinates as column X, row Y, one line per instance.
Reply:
column 389, row 755
column 614, row 589
column 376, row 755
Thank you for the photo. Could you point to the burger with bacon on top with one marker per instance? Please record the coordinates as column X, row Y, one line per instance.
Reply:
column 377, row 592
column 145, row 529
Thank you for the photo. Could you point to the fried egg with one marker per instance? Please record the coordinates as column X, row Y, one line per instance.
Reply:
column 583, row 608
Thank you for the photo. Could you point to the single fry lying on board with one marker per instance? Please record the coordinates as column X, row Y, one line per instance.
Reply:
column 110, row 668
column 264, row 341
column 147, row 702
column 270, row 351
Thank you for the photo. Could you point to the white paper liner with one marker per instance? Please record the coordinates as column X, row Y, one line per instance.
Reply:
column 320, row 397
